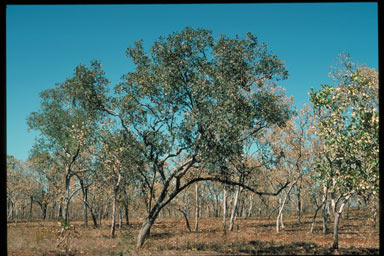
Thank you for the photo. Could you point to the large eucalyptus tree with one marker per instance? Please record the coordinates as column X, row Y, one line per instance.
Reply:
column 190, row 104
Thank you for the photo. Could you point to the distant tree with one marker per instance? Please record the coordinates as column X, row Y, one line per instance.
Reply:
column 15, row 185
column 349, row 126
column 118, row 163
column 66, row 128
column 294, row 147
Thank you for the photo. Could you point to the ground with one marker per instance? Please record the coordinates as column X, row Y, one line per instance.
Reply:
column 253, row 236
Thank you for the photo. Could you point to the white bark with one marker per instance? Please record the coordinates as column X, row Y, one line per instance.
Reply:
column 337, row 216
column 224, row 209
column 250, row 206
column 232, row 219
column 279, row 218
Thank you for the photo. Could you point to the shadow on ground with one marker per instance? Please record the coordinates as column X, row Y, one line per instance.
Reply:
column 258, row 247
column 300, row 248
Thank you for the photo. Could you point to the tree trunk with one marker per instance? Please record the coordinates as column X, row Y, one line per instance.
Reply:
column 374, row 215
column 336, row 231
column 66, row 212
column 224, row 209
column 106, row 211
column 60, row 211
column 279, row 218
column 250, row 206
column 94, row 217
column 16, row 215
column 186, row 220
column 66, row 200
column 120, row 218
column 11, row 210
column 100, row 214
column 197, row 207
column 325, row 218
column 43, row 210
column 30, row 208
column 217, row 207
column 298, row 207
column 241, row 207
column 85, row 212
column 147, row 224
column 233, row 213
column 144, row 231
column 126, row 210
column 337, row 216
column 52, row 212
column 324, row 209
column 314, row 217
column 113, row 213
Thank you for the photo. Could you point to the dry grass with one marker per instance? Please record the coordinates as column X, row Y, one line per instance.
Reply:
column 169, row 237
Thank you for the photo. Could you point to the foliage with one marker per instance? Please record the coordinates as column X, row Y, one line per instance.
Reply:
column 349, row 126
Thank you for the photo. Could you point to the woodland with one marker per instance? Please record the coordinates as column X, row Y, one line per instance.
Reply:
column 199, row 136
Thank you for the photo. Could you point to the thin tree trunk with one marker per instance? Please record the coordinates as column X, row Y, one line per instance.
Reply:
column 281, row 220
column 120, row 218
column 314, row 217
column 232, row 219
column 43, row 210
column 66, row 201
column 336, row 231
column 53, row 208
column 325, row 218
column 115, row 191
column 113, row 213
column 325, row 204
column 85, row 212
column 374, row 215
column 66, row 212
column 197, row 207
column 242, row 212
column 224, row 209
column 217, row 208
column 106, row 211
column 11, row 210
column 16, row 215
column 337, row 215
column 250, row 206
column 126, row 210
column 100, row 214
column 60, row 211
column 8, row 208
column 31, row 207
column 298, row 207
column 186, row 220
column 280, row 214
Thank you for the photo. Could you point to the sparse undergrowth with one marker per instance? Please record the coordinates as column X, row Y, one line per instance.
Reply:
column 255, row 236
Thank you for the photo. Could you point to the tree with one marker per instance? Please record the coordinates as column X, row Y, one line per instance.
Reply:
column 190, row 104
column 295, row 144
column 349, row 126
column 15, row 184
column 117, row 164
column 66, row 128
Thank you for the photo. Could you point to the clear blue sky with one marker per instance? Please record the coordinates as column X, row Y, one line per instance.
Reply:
column 44, row 43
